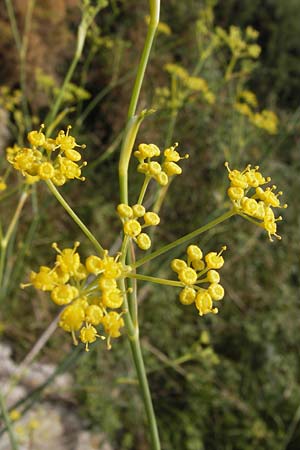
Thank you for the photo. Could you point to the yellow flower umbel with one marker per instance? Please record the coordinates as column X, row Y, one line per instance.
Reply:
column 153, row 169
column 247, row 105
column 48, row 159
column 87, row 304
column 199, row 271
column 130, row 216
column 250, row 200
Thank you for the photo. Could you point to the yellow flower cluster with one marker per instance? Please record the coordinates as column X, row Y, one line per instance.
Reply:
column 47, row 159
column 10, row 99
column 266, row 119
column 258, row 204
column 192, row 83
column 130, row 216
column 86, row 306
column 47, row 84
column 241, row 46
column 153, row 169
column 199, row 270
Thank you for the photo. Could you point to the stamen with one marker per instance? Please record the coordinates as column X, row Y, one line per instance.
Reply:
column 55, row 247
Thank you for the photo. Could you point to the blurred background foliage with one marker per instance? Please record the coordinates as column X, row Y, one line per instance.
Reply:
column 229, row 381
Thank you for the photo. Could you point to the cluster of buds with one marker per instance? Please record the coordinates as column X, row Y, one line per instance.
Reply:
column 247, row 105
column 198, row 271
column 258, row 205
column 86, row 305
column 153, row 169
column 242, row 45
column 48, row 159
column 130, row 216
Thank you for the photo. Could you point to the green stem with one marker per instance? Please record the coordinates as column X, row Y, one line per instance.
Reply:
column 185, row 238
column 131, row 130
column 171, row 127
column 74, row 216
column 143, row 383
column 59, row 98
column 127, row 146
column 154, row 20
column 7, row 422
column 13, row 24
column 138, row 276
column 23, row 53
column 143, row 189
column 230, row 68
column 6, row 238
column 131, row 329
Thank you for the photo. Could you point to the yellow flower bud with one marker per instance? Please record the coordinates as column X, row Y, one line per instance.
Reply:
column 93, row 314
column 187, row 296
column 178, row 264
column 213, row 276
column 124, row 211
column 106, row 284
column 143, row 241
column 151, row 218
column 64, row 294
column 72, row 317
column 36, row 138
column 235, row 193
column 46, row 171
column 132, row 228
column 162, row 178
column 215, row 260
column 216, row 291
column 94, row 264
column 194, row 252
column 112, row 299
column 187, row 275
column 112, row 323
column 138, row 210
column 154, row 168
column 204, row 303
column 171, row 168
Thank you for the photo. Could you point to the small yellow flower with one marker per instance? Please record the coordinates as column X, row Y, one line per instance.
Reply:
column 204, row 303
column 132, row 228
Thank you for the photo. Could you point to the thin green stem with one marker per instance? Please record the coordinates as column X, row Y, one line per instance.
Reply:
column 23, row 53
column 127, row 146
column 156, row 280
column 132, row 292
column 154, row 20
column 131, row 130
column 74, row 216
column 131, row 329
column 230, row 68
column 143, row 189
column 185, row 238
column 7, row 422
column 143, row 383
column 13, row 24
column 171, row 127
column 7, row 236
column 54, row 110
